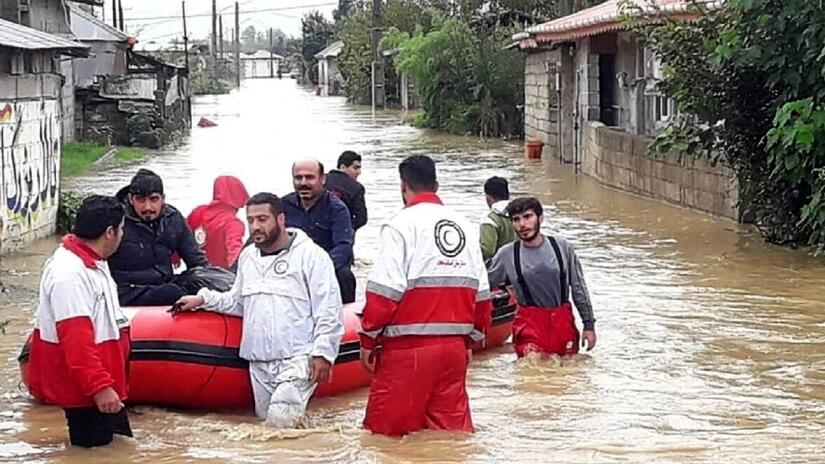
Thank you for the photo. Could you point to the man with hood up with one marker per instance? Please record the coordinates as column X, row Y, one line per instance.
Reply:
column 153, row 231
column 218, row 231
column 496, row 228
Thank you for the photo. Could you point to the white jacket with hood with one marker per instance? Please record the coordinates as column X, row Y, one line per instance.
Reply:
column 290, row 302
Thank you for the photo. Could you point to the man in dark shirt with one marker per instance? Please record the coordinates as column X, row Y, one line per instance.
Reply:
column 153, row 231
column 343, row 183
column 324, row 218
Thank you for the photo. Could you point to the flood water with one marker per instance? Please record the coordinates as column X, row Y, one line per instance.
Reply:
column 711, row 344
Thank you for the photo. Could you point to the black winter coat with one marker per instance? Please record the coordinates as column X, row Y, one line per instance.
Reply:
column 145, row 254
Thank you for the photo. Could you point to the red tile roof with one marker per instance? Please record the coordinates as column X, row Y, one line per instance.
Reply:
column 598, row 19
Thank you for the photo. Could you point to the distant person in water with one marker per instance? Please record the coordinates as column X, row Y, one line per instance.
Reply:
column 154, row 230
column 496, row 229
column 80, row 347
column 217, row 229
column 343, row 183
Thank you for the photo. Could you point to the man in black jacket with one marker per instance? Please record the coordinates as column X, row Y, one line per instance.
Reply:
column 343, row 183
column 153, row 231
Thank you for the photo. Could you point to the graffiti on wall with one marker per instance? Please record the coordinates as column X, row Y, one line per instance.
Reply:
column 29, row 164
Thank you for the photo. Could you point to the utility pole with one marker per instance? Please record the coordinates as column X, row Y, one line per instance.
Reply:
column 114, row 14
column 120, row 13
column 214, row 29
column 237, row 46
column 271, row 55
column 220, row 36
column 377, row 58
column 185, row 36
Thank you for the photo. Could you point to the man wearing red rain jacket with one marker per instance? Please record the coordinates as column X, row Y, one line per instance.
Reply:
column 216, row 226
column 428, row 298
column 80, row 347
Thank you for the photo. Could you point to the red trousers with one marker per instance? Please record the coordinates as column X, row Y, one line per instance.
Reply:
column 418, row 388
column 545, row 331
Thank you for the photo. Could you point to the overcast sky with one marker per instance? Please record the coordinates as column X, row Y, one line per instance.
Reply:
column 150, row 31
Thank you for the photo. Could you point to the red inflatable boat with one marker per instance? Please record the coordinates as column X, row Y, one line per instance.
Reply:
column 191, row 360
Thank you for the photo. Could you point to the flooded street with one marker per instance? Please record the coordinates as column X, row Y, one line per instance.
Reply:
column 711, row 343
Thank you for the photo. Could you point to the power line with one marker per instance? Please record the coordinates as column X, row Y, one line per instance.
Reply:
column 262, row 10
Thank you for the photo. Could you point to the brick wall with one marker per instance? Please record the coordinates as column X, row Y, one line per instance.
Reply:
column 622, row 161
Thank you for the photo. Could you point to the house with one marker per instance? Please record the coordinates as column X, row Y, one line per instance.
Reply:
column 260, row 64
column 123, row 96
column 329, row 77
column 31, row 129
column 108, row 47
column 591, row 96
column 52, row 17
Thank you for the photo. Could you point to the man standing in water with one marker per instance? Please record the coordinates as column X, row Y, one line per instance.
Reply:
column 80, row 347
column 324, row 218
column 427, row 300
column 496, row 229
column 543, row 270
column 287, row 294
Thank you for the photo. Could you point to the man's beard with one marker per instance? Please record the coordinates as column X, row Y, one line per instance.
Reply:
column 270, row 237
column 531, row 235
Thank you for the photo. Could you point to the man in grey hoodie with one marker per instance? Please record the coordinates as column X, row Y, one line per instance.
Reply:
column 545, row 272
column 496, row 229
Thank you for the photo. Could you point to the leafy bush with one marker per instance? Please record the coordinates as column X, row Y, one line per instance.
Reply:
column 748, row 79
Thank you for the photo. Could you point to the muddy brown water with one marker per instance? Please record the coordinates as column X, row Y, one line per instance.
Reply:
column 711, row 344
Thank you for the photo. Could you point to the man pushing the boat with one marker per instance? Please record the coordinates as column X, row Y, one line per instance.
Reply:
column 288, row 295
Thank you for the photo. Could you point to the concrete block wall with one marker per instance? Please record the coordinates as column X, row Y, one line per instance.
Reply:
column 30, row 147
column 540, row 98
column 622, row 161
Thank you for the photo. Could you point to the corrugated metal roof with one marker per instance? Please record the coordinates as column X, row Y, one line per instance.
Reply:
column 602, row 18
column 260, row 55
column 331, row 51
column 86, row 27
column 14, row 35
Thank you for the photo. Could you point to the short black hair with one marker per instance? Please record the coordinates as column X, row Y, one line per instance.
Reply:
column 522, row 205
column 418, row 171
column 347, row 158
column 266, row 198
column 96, row 214
column 497, row 188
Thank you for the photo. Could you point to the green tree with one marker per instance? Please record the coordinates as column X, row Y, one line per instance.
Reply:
column 748, row 78
column 316, row 32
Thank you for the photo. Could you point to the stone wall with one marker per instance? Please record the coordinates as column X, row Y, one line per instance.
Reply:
column 619, row 160
column 30, row 144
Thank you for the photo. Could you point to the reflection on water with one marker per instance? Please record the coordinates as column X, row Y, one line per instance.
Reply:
column 711, row 343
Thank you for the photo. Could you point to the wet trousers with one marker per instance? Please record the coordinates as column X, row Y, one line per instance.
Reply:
column 420, row 387
column 282, row 390
column 545, row 331
column 88, row 427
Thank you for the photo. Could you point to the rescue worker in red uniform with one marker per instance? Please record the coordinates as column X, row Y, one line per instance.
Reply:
column 543, row 270
column 80, row 347
column 428, row 299
column 216, row 226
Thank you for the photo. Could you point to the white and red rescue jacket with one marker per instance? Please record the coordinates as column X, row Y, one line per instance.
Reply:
column 81, row 343
column 429, row 280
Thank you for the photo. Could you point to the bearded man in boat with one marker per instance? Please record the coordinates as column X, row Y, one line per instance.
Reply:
column 428, row 300
column 80, row 347
column 288, row 296
column 543, row 271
